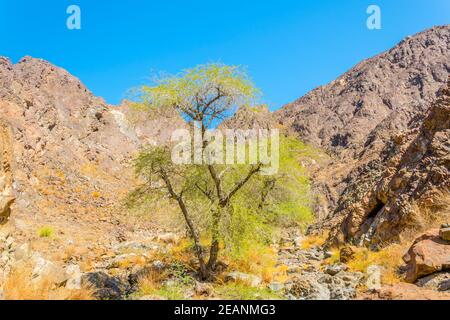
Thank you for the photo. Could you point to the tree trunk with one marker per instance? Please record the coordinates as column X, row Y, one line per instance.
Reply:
column 214, row 250
column 204, row 270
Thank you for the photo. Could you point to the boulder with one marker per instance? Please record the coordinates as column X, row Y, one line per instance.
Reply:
column 437, row 281
column 106, row 287
column 407, row 291
column 308, row 288
column 203, row 289
column 346, row 254
column 444, row 233
column 373, row 281
column 249, row 279
column 335, row 269
column 45, row 269
column 276, row 286
column 428, row 254
column 74, row 276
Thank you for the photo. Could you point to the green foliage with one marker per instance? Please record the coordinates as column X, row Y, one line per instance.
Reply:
column 237, row 291
column 219, row 86
column 287, row 203
column 171, row 293
column 230, row 204
column 46, row 232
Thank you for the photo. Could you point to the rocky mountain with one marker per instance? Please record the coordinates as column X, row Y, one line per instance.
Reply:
column 66, row 150
column 65, row 163
column 359, row 119
column 378, row 96
column 405, row 189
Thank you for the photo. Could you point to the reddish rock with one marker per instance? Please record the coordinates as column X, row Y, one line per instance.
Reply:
column 406, row 291
column 428, row 254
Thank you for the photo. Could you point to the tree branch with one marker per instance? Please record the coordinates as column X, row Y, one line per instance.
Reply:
column 224, row 202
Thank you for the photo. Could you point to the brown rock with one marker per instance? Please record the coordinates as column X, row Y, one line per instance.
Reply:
column 346, row 254
column 386, row 120
column 444, row 233
column 428, row 254
column 6, row 179
column 406, row 291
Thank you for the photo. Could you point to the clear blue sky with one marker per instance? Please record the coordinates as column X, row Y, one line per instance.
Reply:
column 289, row 47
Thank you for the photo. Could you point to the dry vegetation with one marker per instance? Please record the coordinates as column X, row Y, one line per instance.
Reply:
column 20, row 285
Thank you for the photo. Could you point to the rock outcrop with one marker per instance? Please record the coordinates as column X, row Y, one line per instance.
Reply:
column 400, row 190
column 407, row 291
column 6, row 177
column 71, row 150
column 375, row 98
column 429, row 254
column 386, row 124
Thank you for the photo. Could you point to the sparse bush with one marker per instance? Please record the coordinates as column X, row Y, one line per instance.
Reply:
column 46, row 232
column 314, row 241
column 390, row 258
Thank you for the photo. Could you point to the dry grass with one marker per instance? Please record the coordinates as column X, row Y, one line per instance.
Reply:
column 390, row 258
column 258, row 260
column 21, row 286
column 314, row 241
column 151, row 283
column 429, row 214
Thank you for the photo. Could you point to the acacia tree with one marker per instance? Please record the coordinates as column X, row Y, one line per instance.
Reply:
column 203, row 95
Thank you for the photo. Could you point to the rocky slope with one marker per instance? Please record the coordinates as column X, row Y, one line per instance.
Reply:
column 71, row 151
column 6, row 179
column 366, row 119
column 400, row 190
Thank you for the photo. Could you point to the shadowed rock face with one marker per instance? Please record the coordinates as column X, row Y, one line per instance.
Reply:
column 413, row 169
column 6, row 178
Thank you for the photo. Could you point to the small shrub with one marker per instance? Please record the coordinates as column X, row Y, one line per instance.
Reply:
column 314, row 241
column 96, row 194
column 46, row 232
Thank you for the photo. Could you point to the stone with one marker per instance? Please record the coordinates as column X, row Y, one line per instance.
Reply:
column 249, row 279
column 203, row 289
column 428, row 254
column 407, row 291
column 22, row 252
column 74, row 276
column 106, row 287
column 373, row 281
column 159, row 265
column 169, row 238
column 444, row 233
column 6, row 174
column 45, row 269
column 308, row 288
column 335, row 269
column 276, row 286
column 346, row 254
column 151, row 298
column 439, row 281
